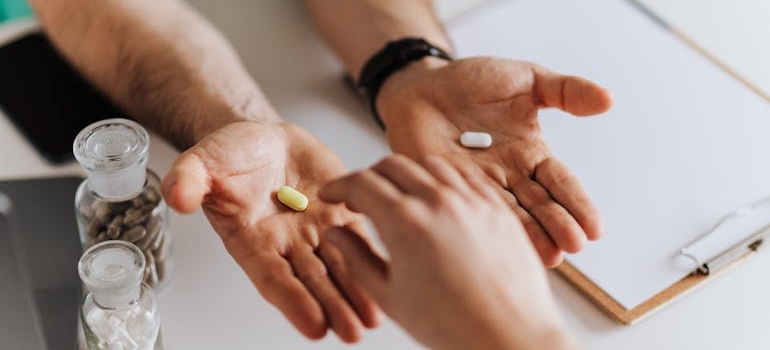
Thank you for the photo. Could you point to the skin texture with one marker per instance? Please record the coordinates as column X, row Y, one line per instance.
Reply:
column 462, row 273
column 428, row 104
column 174, row 73
column 425, row 110
column 278, row 248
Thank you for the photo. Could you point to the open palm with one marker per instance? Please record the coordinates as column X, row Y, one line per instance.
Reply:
column 234, row 174
column 425, row 113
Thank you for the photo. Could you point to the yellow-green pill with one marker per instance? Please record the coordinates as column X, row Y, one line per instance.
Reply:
column 292, row 198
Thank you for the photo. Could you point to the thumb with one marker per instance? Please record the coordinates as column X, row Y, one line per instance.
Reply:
column 571, row 94
column 186, row 184
column 365, row 266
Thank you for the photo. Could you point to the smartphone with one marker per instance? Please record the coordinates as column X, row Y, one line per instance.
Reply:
column 46, row 98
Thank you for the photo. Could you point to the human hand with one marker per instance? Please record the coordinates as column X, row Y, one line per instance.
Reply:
column 427, row 105
column 234, row 174
column 463, row 274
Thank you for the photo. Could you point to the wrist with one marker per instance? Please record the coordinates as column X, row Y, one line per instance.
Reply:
column 396, row 56
column 211, row 121
column 526, row 323
column 518, row 337
column 556, row 339
column 525, row 327
column 399, row 81
column 504, row 338
column 543, row 330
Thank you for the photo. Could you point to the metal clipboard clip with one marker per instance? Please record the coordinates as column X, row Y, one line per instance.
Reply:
column 734, row 252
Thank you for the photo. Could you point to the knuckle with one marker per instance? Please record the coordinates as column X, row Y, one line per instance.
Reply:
column 331, row 216
column 269, row 278
column 244, row 246
column 358, row 176
column 411, row 212
column 315, row 272
column 390, row 161
column 336, row 266
column 430, row 159
column 444, row 197
column 560, row 177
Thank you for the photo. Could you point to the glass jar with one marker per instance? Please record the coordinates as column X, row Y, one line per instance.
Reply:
column 119, row 312
column 120, row 198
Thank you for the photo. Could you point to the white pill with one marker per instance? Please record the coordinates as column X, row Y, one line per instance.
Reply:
column 472, row 139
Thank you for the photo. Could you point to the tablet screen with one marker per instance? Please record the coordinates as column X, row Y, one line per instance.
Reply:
column 39, row 284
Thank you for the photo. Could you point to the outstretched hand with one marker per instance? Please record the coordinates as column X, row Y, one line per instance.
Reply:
column 234, row 174
column 428, row 105
column 461, row 272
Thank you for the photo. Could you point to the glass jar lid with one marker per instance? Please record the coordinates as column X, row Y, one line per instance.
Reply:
column 113, row 153
column 112, row 271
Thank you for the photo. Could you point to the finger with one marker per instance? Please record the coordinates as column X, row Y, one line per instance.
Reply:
column 407, row 175
column 274, row 278
column 364, row 305
column 186, row 184
column 364, row 192
column 366, row 267
column 442, row 171
column 360, row 227
column 549, row 252
column 557, row 222
column 572, row 94
column 565, row 187
column 341, row 317
column 546, row 248
column 479, row 178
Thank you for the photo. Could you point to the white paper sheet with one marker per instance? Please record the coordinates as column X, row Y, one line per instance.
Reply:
column 684, row 144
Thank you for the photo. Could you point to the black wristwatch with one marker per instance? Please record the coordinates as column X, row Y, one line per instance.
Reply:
column 395, row 55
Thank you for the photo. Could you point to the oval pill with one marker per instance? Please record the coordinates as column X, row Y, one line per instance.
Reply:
column 292, row 198
column 472, row 139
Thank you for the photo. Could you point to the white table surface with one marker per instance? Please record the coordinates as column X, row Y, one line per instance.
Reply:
column 212, row 305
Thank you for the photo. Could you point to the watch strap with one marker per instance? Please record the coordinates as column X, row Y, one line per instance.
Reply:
column 394, row 56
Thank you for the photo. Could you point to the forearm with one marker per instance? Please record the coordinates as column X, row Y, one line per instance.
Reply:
column 493, row 340
column 356, row 29
column 159, row 60
column 531, row 325
column 556, row 339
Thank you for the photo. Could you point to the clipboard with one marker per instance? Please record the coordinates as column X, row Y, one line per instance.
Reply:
column 705, row 270
column 562, row 35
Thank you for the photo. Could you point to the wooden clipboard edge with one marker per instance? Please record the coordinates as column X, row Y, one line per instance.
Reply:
column 625, row 316
column 598, row 296
column 692, row 44
column 698, row 48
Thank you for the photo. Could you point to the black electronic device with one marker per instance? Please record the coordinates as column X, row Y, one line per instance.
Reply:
column 39, row 250
column 46, row 98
